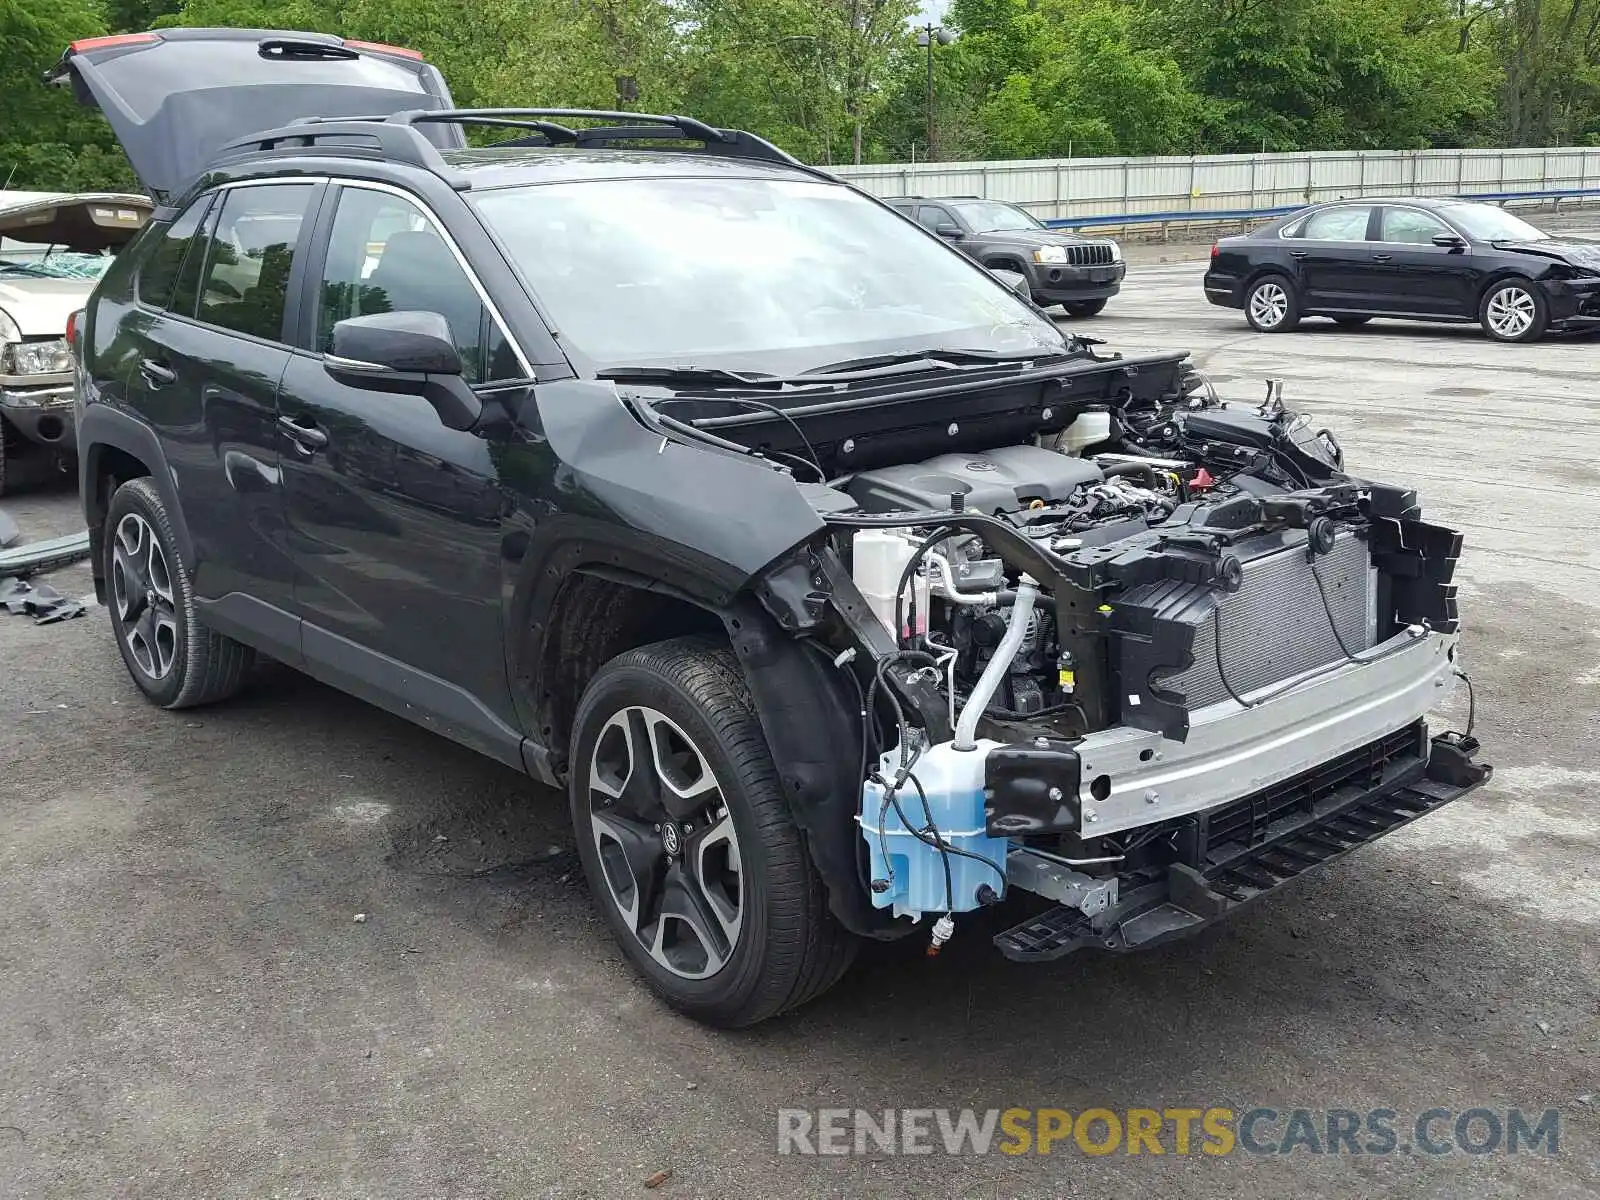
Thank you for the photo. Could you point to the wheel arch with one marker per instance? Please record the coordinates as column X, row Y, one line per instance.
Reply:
column 113, row 448
column 1502, row 274
column 1006, row 261
column 1258, row 273
column 807, row 715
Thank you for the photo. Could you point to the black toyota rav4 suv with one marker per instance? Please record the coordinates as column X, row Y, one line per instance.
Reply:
column 842, row 592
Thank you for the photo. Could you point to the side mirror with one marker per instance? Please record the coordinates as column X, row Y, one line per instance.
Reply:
column 1449, row 241
column 948, row 229
column 410, row 353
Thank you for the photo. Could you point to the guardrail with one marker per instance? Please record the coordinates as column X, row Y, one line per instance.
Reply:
column 1222, row 187
column 1190, row 216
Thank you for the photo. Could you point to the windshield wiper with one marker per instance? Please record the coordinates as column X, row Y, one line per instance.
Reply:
column 936, row 357
column 690, row 376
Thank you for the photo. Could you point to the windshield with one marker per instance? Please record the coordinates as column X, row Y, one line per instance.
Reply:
column 990, row 216
column 1487, row 223
column 776, row 276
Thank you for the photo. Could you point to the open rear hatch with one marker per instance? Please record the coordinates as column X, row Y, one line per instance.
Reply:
column 176, row 96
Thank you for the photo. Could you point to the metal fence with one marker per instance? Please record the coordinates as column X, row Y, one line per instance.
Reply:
column 1221, row 186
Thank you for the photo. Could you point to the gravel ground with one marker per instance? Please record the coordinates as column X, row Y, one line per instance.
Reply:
column 189, row 1008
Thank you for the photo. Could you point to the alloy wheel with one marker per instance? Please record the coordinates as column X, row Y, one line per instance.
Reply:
column 666, row 842
column 1511, row 312
column 1269, row 304
column 142, row 597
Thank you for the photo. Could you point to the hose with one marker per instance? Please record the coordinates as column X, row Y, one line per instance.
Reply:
column 989, row 682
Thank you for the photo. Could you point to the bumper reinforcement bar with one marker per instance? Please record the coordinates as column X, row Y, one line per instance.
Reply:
column 1187, row 899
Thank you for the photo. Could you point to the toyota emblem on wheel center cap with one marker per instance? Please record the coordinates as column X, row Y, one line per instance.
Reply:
column 669, row 838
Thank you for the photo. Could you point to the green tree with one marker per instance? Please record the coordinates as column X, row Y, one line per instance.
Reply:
column 49, row 142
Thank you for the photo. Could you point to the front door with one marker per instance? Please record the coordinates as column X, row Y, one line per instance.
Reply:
column 395, row 521
column 209, row 352
column 1333, row 254
column 1415, row 276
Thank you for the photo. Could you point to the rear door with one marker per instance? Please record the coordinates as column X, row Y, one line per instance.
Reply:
column 1412, row 275
column 174, row 97
column 395, row 521
column 1332, row 250
column 208, row 352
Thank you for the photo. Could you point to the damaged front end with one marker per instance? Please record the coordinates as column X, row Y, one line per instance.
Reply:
column 1077, row 628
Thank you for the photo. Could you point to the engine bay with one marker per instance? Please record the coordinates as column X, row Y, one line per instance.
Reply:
column 1030, row 571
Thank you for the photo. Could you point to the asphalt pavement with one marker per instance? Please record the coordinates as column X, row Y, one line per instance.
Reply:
column 189, row 1006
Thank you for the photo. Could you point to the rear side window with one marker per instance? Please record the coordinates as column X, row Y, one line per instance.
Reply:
column 159, row 271
column 249, row 252
column 1348, row 224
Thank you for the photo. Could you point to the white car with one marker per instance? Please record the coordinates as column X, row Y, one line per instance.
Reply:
column 53, row 249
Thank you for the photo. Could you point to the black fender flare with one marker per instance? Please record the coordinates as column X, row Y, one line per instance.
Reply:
column 101, row 427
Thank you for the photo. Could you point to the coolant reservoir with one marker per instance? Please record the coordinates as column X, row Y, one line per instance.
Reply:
column 952, row 781
column 1088, row 428
column 878, row 556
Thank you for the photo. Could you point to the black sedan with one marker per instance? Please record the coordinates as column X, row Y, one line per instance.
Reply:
column 1425, row 260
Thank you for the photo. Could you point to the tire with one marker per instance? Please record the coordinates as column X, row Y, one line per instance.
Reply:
column 761, row 939
column 1085, row 308
column 1351, row 322
column 1270, row 305
column 1514, row 310
column 176, row 661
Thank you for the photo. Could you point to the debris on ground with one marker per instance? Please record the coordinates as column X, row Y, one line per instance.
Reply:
column 361, row 918
column 34, row 557
column 658, row 1178
column 37, row 600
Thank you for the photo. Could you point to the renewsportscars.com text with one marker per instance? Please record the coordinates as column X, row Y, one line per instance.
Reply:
column 1211, row 1131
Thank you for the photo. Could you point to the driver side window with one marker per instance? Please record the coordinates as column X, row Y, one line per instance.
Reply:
column 386, row 255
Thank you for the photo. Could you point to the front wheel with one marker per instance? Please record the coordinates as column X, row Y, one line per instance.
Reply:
column 1085, row 308
column 1513, row 310
column 1270, row 305
column 688, row 843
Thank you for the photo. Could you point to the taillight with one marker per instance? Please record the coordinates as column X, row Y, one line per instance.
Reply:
column 383, row 48
column 116, row 39
column 1215, row 249
column 74, row 327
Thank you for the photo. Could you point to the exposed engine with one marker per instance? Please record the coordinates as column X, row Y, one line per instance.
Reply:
column 1088, row 613
column 952, row 594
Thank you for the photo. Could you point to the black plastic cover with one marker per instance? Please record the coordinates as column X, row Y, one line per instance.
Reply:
column 1029, row 788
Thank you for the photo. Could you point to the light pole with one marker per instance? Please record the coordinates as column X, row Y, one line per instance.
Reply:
column 927, row 35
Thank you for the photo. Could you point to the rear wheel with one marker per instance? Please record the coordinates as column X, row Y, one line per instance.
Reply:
column 687, row 840
column 1270, row 305
column 174, row 658
column 1085, row 308
column 1514, row 310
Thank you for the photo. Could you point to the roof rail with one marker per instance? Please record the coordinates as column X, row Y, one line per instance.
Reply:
column 397, row 137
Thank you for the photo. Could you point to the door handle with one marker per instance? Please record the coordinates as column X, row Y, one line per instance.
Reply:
column 155, row 374
column 309, row 438
column 1298, row 253
column 1382, row 257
